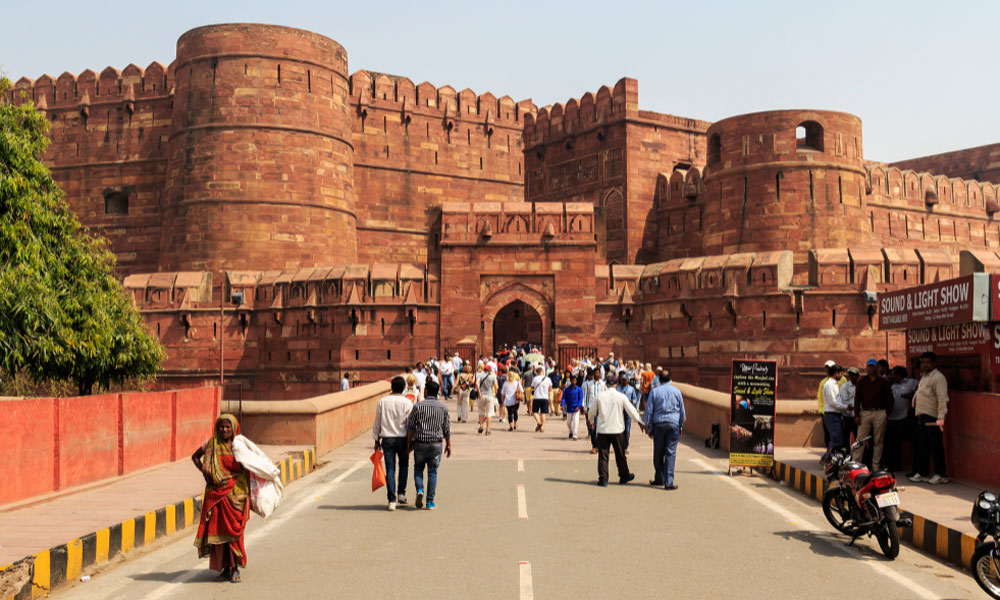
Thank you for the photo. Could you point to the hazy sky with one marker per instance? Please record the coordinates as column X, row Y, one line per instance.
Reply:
column 923, row 76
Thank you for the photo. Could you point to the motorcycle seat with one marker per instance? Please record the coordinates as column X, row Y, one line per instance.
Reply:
column 861, row 480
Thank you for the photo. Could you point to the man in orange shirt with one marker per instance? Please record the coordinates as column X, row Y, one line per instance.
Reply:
column 645, row 385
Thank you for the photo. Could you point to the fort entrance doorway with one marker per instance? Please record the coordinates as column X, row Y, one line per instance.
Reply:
column 517, row 323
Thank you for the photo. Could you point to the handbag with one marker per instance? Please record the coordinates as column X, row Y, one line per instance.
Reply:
column 519, row 393
column 378, row 474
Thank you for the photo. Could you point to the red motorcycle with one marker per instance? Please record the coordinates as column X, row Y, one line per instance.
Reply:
column 863, row 503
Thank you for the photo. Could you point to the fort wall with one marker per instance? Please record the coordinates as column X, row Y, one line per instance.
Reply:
column 981, row 163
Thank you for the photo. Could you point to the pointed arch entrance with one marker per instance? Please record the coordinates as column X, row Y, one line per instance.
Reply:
column 533, row 319
column 517, row 323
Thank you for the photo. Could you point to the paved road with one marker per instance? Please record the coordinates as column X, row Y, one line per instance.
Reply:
column 715, row 537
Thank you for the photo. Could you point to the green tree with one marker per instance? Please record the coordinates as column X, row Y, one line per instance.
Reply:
column 63, row 315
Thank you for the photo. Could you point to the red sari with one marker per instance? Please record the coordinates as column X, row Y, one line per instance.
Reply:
column 226, row 506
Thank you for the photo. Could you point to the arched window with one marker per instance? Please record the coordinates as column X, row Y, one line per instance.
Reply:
column 714, row 149
column 614, row 211
column 809, row 136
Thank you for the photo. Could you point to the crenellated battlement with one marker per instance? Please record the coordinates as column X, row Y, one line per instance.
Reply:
column 88, row 88
column 930, row 193
column 548, row 223
column 370, row 89
column 608, row 105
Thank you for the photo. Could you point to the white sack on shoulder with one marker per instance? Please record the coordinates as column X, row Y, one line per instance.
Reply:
column 265, row 476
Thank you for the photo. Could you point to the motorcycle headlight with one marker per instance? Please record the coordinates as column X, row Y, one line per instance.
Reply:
column 989, row 496
column 983, row 504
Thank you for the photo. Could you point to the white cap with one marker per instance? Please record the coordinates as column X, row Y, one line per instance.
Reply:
column 829, row 364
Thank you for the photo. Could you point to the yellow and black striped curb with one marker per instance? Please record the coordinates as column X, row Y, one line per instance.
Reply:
column 36, row 575
column 948, row 544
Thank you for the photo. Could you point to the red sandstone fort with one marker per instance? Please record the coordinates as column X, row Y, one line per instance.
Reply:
column 370, row 222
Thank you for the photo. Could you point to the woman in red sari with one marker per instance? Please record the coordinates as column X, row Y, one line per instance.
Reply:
column 226, row 507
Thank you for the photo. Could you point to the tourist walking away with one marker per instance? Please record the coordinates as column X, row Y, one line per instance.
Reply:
column 833, row 411
column 607, row 417
column 848, row 391
column 512, row 394
column 426, row 428
column 228, row 461
column 628, row 388
column 646, row 384
column 389, row 431
column 487, row 390
column 592, row 386
column 466, row 381
column 412, row 392
column 872, row 401
column 572, row 404
column 665, row 417
column 931, row 407
column 345, row 382
column 903, row 389
column 541, row 386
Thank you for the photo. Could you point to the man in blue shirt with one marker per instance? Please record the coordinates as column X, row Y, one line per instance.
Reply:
column 664, row 422
column 625, row 386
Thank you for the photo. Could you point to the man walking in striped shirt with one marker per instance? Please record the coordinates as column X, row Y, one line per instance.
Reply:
column 426, row 427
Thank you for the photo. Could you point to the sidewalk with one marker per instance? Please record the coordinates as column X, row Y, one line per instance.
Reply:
column 30, row 527
column 947, row 504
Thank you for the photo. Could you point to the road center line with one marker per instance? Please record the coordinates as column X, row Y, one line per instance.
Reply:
column 522, row 504
column 269, row 526
column 805, row 525
column 520, row 465
column 527, row 593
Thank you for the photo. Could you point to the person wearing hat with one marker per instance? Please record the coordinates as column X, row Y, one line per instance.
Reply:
column 607, row 417
column 819, row 398
column 872, row 401
column 833, row 411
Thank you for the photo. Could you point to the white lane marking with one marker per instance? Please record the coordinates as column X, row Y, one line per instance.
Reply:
column 520, row 465
column 801, row 523
column 527, row 593
column 522, row 504
column 269, row 526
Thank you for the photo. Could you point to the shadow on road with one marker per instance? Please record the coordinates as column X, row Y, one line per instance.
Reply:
column 356, row 507
column 206, row 575
column 828, row 543
column 590, row 482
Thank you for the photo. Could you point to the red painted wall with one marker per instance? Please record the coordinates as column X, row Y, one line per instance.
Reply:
column 196, row 411
column 87, row 438
column 147, row 429
column 49, row 444
column 26, row 458
column 971, row 446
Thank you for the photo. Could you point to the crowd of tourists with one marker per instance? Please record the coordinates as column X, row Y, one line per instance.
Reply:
column 611, row 395
column 893, row 409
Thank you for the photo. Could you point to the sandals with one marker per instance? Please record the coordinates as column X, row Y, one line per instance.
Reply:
column 223, row 575
column 235, row 577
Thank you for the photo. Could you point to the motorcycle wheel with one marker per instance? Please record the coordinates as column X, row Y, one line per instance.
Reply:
column 888, row 539
column 985, row 571
column 837, row 509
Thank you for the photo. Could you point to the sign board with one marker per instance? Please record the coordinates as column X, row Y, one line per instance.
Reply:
column 952, row 302
column 995, row 297
column 950, row 340
column 751, row 413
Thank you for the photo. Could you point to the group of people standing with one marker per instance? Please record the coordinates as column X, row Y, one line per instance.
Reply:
column 890, row 407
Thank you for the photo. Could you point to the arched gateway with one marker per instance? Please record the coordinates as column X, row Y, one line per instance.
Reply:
column 516, row 314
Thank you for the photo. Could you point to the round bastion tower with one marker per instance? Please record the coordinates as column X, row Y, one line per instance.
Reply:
column 784, row 180
column 260, row 171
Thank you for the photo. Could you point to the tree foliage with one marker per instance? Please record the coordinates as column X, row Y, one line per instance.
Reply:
column 63, row 315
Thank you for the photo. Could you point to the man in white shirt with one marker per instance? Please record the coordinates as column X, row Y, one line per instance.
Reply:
column 456, row 363
column 389, row 431
column 540, row 386
column 607, row 416
column 345, row 382
column 833, row 411
column 447, row 373
column 420, row 372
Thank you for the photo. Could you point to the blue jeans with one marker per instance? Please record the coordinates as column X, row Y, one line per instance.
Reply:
column 393, row 449
column 835, row 425
column 628, row 429
column 426, row 454
column 665, row 438
column 446, row 384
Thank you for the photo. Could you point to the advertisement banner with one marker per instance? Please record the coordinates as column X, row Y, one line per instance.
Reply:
column 751, row 413
column 951, row 302
column 950, row 340
column 995, row 297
